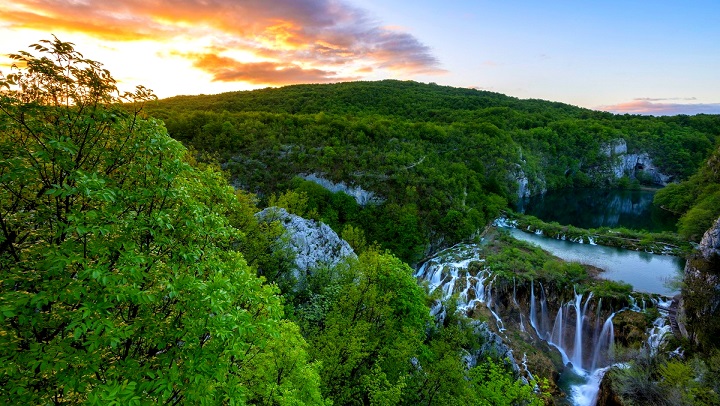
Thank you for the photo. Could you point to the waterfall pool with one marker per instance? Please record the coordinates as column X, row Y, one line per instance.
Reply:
column 644, row 271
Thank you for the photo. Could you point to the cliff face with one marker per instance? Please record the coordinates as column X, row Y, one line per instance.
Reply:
column 361, row 196
column 701, row 291
column 638, row 165
column 527, row 186
column 710, row 243
column 614, row 163
column 314, row 243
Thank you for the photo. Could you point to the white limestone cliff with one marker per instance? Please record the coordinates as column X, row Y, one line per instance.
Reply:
column 314, row 243
column 361, row 196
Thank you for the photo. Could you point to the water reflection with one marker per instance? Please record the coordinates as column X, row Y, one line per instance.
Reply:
column 644, row 271
column 594, row 208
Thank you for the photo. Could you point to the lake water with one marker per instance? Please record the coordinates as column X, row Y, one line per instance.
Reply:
column 594, row 208
column 645, row 272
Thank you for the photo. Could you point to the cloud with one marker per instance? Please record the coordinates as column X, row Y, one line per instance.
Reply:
column 224, row 69
column 648, row 106
column 666, row 99
column 313, row 38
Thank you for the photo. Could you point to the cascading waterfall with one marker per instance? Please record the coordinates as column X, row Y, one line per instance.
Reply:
column 488, row 293
column 605, row 341
column 597, row 336
column 657, row 335
column 533, row 312
column 557, row 333
column 577, row 349
column 543, row 309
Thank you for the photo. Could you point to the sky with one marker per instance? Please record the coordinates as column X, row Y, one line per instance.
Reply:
column 625, row 56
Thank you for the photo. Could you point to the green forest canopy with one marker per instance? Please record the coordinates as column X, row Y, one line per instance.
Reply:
column 445, row 160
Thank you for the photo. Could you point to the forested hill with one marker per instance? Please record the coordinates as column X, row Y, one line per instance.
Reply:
column 442, row 160
column 402, row 99
column 409, row 100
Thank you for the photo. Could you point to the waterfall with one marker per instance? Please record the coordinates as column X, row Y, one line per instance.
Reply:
column 543, row 310
column 558, row 331
column 488, row 294
column 607, row 335
column 444, row 275
column 586, row 394
column 633, row 304
column 533, row 312
column 463, row 299
column 525, row 367
column 587, row 301
column 498, row 320
column 448, row 287
column 577, row 349
column 657, row 335
column 438, row 311
column 480, row 286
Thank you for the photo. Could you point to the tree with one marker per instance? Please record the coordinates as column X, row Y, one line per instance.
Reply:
column 365, row 326
column 118, row 278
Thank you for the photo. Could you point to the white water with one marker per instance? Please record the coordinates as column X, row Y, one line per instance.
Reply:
column 586, row 394
column 570, row 331
column 577, row 349
column 607, row 335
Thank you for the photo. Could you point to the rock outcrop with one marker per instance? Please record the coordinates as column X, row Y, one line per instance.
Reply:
column 637, row 165
column 314, row 243
column 700, row 304
column 710, row 243
column 607, row 395
column 361, row 196
column 493, row 346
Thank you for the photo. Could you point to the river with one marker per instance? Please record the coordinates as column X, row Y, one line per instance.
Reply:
column 645, row 272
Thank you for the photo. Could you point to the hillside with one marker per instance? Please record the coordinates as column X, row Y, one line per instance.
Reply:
column 441, row 161
column 697, row 199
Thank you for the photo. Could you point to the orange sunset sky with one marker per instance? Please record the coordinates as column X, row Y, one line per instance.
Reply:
column 614, row 57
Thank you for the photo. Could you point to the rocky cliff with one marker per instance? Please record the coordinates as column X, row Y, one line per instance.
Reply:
column 710, row 243
column 635, row 165
column 361, row 196
column 527, row 186
column 614, row 163
column 314, row 243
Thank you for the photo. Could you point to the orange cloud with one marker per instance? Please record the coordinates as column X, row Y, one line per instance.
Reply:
column 225, row 69
column 647, row 106
column 321, row 37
